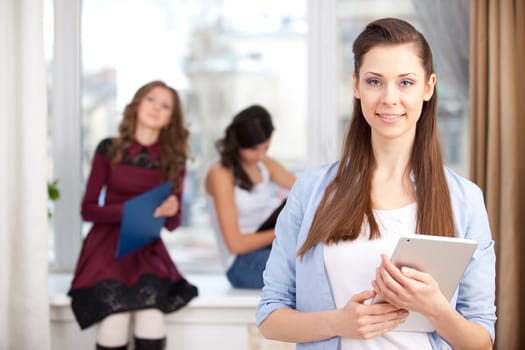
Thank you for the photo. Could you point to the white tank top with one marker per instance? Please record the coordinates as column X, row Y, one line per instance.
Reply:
column 252, row 209
column 351, row 267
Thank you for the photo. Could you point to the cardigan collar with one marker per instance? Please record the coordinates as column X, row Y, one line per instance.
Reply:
column 153, row 149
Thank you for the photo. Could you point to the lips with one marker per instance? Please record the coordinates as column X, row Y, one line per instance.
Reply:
column 390, row 116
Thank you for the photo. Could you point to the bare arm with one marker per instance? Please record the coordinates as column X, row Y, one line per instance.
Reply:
column 354, row 320
column 307, row 326
column 279, row 174
column 220, row 185
column 459, row 332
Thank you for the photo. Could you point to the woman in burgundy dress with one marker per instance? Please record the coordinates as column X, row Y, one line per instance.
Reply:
column 151, row 148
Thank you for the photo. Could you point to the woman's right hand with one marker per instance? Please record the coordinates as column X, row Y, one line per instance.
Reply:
column 168, row 207
column 358, row 320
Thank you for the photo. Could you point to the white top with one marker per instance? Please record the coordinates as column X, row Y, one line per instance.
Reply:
column 253, row 207
column 351, row 267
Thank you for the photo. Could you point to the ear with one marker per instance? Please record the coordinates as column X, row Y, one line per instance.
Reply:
column 355, row 81
column 429, row 87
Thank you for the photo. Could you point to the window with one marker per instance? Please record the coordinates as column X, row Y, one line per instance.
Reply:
column 294, row 57
column 221, row 56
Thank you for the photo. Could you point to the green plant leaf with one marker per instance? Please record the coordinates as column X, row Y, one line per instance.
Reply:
column 53, row 192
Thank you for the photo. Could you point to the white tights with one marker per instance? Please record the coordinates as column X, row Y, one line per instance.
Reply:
column 114, row 329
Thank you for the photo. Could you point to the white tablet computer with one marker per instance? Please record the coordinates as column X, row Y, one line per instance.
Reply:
column 444, row 258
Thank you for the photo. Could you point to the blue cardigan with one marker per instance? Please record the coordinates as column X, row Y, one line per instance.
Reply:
column 303, row 284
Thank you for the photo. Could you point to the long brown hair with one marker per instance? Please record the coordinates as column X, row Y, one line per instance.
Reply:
column 346, row 203
column 173, row 138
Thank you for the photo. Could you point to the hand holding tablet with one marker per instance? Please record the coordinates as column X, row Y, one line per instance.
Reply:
column 444, row 258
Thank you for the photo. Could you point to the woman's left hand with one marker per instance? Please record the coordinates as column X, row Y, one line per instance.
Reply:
column 408, row 288
column 169, row 207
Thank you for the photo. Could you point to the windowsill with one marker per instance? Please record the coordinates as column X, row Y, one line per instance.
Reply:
column 194, row 251
column 214, row 292
column 226, row 315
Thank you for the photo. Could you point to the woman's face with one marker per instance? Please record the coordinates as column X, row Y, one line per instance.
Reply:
column 155, row 109
column 391, row 88
column 254, row 154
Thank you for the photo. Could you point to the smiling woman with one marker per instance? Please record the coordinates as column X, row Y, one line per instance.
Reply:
column 391, row 166
column 392, row 96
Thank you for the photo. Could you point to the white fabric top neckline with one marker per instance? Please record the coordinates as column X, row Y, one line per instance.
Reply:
column 351, row 266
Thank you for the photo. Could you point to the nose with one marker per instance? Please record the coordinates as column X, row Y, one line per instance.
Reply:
column 391, row 94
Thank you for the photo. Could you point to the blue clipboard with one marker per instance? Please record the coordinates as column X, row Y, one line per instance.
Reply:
column 138, row 226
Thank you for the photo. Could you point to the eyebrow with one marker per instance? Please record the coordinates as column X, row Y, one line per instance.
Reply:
column 400, row 75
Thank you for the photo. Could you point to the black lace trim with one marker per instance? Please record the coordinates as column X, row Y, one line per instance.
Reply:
column 141, row 160
column 91, row 305
column 104, row 146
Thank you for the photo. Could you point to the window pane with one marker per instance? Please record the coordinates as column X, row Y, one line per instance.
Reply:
column 221, row 56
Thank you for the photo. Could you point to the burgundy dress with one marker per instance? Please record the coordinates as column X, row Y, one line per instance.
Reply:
column 146, row 278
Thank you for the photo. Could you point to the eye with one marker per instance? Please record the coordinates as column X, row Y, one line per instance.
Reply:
column 373, row 82
column 406, row 83
column 166, row 106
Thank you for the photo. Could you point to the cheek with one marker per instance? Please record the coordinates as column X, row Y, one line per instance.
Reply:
column 414, row 103
column 140, row 109
column 369, row 96
column 250, row 155
column 244, row 154
column 368, row 104
column 166, row 118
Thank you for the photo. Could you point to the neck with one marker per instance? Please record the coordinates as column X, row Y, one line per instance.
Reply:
column 392, row 158
column 146, row 136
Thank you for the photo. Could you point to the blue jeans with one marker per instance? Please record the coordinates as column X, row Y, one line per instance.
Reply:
column 247, row 269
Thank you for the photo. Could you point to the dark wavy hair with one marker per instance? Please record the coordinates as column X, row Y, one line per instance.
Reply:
column 347, row 202
column 173, row 138
column 250, row 127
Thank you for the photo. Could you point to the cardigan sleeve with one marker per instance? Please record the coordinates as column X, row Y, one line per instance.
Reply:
column 477, row 289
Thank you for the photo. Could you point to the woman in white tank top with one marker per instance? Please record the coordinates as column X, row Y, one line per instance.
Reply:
column 239, row 195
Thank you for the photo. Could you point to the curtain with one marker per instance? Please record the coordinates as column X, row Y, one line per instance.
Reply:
column 24, row 306
column 497, row 106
